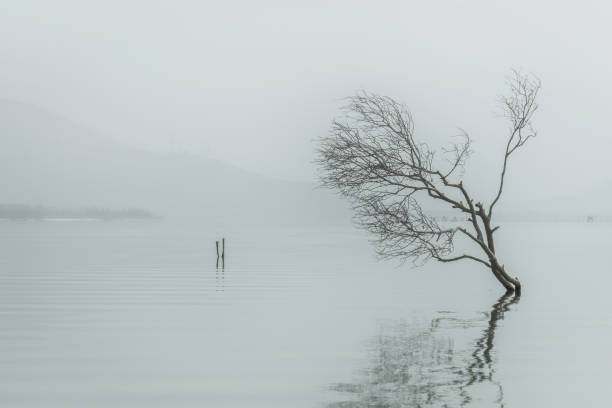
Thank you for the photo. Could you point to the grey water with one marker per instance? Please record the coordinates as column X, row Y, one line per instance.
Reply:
column 136, row 314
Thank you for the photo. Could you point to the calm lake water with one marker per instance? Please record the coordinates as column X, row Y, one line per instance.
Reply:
column 136, row 314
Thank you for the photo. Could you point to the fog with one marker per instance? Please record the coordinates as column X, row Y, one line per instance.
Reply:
column 230, row 92
column 165, row 239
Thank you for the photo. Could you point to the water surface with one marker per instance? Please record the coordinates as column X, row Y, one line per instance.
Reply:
column 136, row 314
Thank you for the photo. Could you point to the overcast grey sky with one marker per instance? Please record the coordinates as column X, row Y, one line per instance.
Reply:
column 254, row 83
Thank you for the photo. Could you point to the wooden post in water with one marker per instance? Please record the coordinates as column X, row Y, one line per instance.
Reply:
column 223, row 251
column 217, row 245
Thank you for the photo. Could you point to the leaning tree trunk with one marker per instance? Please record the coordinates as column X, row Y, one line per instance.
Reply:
column 497, row 272
column 511, row 284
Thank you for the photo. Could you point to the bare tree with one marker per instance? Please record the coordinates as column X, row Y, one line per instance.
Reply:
column 372, row 157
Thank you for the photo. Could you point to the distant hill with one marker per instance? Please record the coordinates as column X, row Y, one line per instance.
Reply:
column 49, row 160
column 46, row 159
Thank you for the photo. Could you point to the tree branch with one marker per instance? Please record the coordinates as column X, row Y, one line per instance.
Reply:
column 519, row 108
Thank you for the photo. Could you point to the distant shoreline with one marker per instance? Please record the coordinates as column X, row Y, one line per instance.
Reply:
column 21, row 212
column 51, row 219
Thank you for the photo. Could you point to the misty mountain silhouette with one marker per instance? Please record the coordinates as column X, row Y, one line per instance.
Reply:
column 48, row 159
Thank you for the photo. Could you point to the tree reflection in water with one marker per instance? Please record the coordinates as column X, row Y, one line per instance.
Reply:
column 426, row 368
